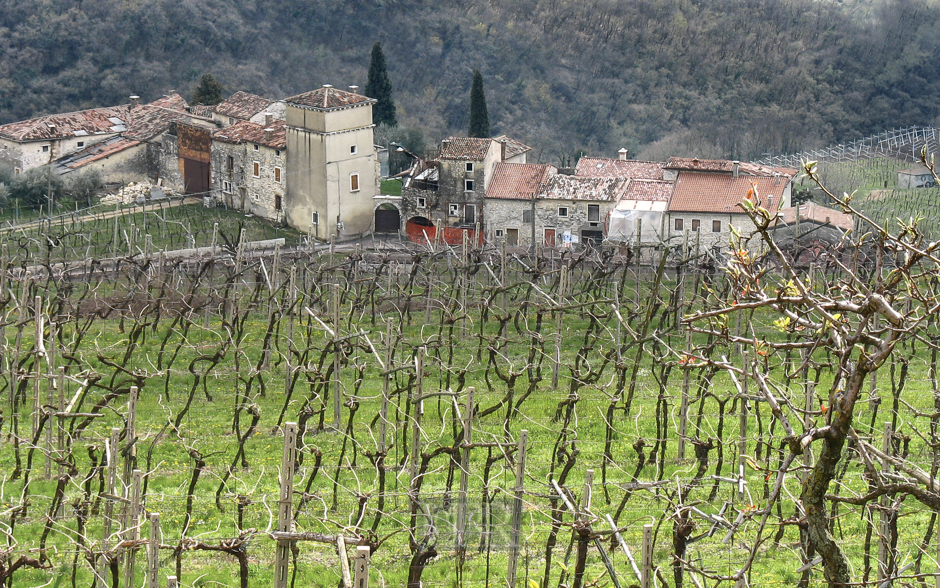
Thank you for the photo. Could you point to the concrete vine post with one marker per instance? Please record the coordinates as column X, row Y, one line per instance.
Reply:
column 284, row 512
column 519, row 492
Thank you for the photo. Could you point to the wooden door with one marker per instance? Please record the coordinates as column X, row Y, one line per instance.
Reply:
column 549, row 237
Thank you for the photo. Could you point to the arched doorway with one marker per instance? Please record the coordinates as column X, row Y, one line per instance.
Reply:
column 387, row 219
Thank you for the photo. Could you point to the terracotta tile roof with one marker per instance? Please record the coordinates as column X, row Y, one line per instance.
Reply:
column 96, row 121
column 148, row 121
column 200, row 110
column 648, row 190
column 812, row 212
column 721, row 193
column 513, row 147
column 249, row 132
column 563, row 187
column 243, row 105
column 599, row 167
column 465, row 148
column 328, row 98
column 171, row 101
column 726, row 166
column 94, row 152
column 518, row 181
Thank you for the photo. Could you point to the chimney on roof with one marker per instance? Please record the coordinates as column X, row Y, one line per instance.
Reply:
column 51, row 128
column 268, row 118
column 354, row 89
column 327, row 85
column 735, row 168
column 135, row 100
column 623, row 153
column 502, row 150
column 268, row 134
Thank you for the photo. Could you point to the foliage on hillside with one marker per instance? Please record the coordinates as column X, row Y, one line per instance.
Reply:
column 730, row 77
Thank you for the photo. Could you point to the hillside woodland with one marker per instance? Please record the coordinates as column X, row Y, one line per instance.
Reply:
column 733, row 78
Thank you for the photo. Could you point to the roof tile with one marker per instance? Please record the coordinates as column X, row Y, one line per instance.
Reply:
column 249, row 132
column 329, row 98
column 599, row 167
column 513, row 147
column 721, row 193
column 518, row 181
column 564, row 187
column 243, row 105
column 465, row 148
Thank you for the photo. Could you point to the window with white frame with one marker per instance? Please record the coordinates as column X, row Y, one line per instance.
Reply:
column 563, row 211
column 45, row 149
column 354, row 182
column 499, row 232
column 422, row 202
column 80, row 144
column 256, row 169
column 277, row 175
column 469, row 167
column 468, row 185
column 353, row 149
column 594, row 213
column 314, row 218
column 695, row 224
column 257, row 147
column 453, row 210
column 527, row 216
column 716, row 226
column 678, row 224
column 227, row 187
column 256, row 197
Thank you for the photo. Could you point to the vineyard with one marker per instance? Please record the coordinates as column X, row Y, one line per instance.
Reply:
column 442, row 416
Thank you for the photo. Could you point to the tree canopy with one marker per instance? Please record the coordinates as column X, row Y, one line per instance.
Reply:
column 479, row 118
column 208, row 92
column 378, row 86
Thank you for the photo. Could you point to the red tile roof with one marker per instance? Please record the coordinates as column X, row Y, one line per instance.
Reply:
column 812, row 212
column 243, row 105
column 599, row 167
column 172, row 101
column 726, row 166
column 648, row 190
column 513, row 147
column 721, row 193
column 200, row 110
column 465, row 148
column 249, row 132
column 96, row 121
column 147, row 121
column 563, row 187
column 329, row 98
column 518, row 181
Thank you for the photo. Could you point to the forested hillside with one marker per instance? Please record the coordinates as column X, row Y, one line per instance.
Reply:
column 733, row 78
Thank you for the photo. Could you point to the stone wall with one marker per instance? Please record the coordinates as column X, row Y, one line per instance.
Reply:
column 168, row 162
column 705, row 236
column 502, row 216
column 237, row 187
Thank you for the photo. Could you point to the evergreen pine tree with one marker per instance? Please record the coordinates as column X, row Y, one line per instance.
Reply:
column 479, row 119
column 208, row 92
column 378, row 86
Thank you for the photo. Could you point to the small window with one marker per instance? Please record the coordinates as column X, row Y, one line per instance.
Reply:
column 230, row 163
column 277, row 175
column 256, row 169
column 527, row 216
column 231, row 120
column 469, row 214
column 255, row 197
column 716, row 226
column 80, row 144
column 499, row 232
column 422, row 202
column 453, row 210
column 468, row 185
column 257, row 147
column 695, row 224
column 469, row 167
column 354, row 182
column 563, row 211
column 16, row 171
column 314, row 218
column 45, row 149
column 594, row 213
column 227, row 187
column 678, row 224
column 353, row 149
column 277, row 202
column 277, row 152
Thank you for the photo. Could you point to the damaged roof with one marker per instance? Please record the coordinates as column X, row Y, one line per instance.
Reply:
column 513, row 147
column 714, row 193
column 95, row 121
column 465, row 148
column 243, row 105
column 171, row 101
column 147, row 121
column 563, row 187
column 726, row 166
column 518, row 181
column 328, row 99
column 94, row 152
column 599, row 167
column 644, row 190
column 811, row 212
column 249, row 132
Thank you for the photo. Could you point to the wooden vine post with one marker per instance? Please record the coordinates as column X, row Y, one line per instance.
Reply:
column 386, row 382
column 684, row 405
column 646, row 561
column 153, row 552
column 742, row 428
column 562, row 292
column 414, row 463
column 111, row 453
column 517, row 509
column 464, row 479
column 337, row 392
column 284, row 518
column 884, row 527
column 132, row 527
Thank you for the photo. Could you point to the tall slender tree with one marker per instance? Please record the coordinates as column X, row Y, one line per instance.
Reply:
column 208, row 92
column 378, row 86
column 479, row 119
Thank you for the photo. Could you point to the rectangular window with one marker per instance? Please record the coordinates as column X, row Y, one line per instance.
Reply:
column 80, row 144
column 231, row 120
column 678, row 224
column 314, row 218
column 255, row 197
column 256, row 169
column 499, row 232
column 257, row 147
column 277, row 152
column 422, row 202
column 468, row 185
column 469, row 167
column 453, row 210
column 716, row 226
column 45, row 149
column 354, row 182
column 563, row 211
column 230, row 163
column 277, row 202
column 16, row 171
column 594, row 213
column 695, row 224
column 469, row 214
column 353, row 149
column 227, row 187
column 527, row 216
column 277, row 175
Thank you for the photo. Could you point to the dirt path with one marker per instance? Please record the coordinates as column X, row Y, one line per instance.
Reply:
column 168, row 203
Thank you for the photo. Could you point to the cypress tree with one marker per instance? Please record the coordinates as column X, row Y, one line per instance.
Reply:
column 208, row 92
column 378, row 86
column 479, row 119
